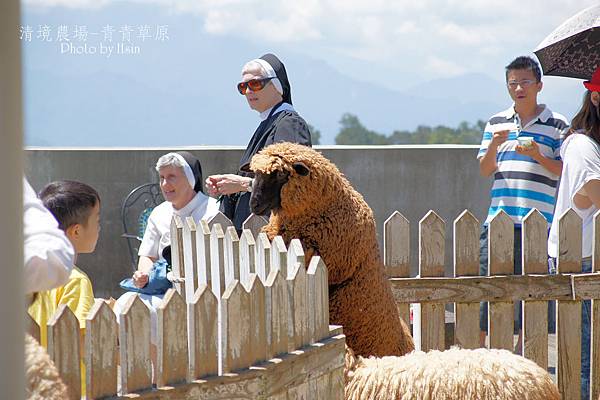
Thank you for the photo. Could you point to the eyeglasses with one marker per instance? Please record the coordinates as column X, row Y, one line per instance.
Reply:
column 525, row 83
column 254, row 84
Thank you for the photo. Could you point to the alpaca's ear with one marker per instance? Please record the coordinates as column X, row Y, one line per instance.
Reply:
column 245, row 167
column 301, row 169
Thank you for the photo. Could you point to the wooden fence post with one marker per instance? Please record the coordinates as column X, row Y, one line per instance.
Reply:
column 63, row 348
column 247, row 257
column 263, row 257
column 177, row 256
column 172, row 346
column 299, row 312
column 277, row 311
column 254, row 224
column 258, row 320
column 134, row 346
column 466, row 263
column 221, row 219
column 235, row 325
column 203, row 253
column 318, row 299
column 203, row 312
column 568, row 321
column 279, row 256
column 190, row 256
column 217, row 260
column 431, row 263
column 101, row 351
column 396, row 253
column 535, row 313
column 501, row 262
column 232, row 256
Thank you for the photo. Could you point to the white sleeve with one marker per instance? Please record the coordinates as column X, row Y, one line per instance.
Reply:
column 150, row 241
column 589, row 162
column 485, row 140
column 48, row 252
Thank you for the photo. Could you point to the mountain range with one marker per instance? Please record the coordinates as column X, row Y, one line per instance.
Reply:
column 181, row 91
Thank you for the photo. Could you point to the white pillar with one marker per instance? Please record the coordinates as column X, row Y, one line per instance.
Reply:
column 12, row 300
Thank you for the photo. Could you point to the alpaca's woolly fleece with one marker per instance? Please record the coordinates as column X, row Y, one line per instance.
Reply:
column 453, row 374
column 41, row 376
column 332, row 219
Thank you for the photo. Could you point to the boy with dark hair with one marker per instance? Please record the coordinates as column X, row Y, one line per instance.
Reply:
column 76, row 206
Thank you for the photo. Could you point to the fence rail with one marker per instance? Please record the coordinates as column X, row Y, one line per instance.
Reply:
column 431, row 290
column 249, row 321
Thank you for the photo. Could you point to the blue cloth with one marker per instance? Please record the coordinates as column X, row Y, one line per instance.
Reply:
column 157, row 281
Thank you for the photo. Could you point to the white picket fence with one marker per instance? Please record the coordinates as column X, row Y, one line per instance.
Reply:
column 250, row 321
column 465, row 290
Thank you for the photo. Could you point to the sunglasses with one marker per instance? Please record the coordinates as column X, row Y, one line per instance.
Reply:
column 254, row 84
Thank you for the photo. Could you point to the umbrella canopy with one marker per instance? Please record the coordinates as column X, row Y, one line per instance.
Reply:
column 573, row 49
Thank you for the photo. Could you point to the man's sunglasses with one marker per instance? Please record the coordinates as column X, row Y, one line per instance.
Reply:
column 254, row 84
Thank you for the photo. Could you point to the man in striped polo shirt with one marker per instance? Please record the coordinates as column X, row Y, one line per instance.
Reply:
column 526, row 174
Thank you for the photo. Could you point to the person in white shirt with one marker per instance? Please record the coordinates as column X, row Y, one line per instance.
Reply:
column 580, row 190
column 181, row 185
column 48, row 253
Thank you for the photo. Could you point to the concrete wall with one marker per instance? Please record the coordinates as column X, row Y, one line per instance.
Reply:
column 410, row 179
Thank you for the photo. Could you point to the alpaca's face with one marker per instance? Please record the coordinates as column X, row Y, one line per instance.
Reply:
column 266, row 189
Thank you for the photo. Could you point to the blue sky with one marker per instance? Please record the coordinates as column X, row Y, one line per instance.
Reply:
column 395, row 45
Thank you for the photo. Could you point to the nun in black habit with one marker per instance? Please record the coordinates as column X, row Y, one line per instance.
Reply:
column 267, row 89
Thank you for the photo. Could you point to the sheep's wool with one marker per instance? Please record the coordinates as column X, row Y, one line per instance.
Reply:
column 453, row 374
column 41, row 376
column 332, row 219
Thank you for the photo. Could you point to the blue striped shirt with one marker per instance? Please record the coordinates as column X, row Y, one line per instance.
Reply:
column 520, row 182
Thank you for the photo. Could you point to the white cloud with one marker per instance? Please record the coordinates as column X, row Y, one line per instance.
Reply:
column 445, row 36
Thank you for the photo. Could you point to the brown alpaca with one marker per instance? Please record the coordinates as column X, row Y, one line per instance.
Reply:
column 311, row 200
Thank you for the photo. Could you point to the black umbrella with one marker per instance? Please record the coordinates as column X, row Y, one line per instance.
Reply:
column 573, row 49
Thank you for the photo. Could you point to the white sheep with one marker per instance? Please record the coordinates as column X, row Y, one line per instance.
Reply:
column 42, row 381
column 453, row 374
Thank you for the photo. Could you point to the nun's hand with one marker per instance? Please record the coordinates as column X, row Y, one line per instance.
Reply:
column 226, row 184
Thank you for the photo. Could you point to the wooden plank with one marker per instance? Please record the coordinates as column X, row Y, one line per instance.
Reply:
column 254, row 223
column 501, row 262
column 297, row 286
column 235, row 325
column 535, row 313
column 466, row 263
column 232, row 256
column 396, row 254
column 217, row 260
column 595, row 308
column 190, row 256
column 221, row 219
column 203, row 253
column 258, row 321
column 263, row 256
column 172, row 346
column 318, row 299
column 279, row 256
column 203, row 311
column 63, row 348
column 568, row 322
column 493, row 288
column 431, row 263
column 101, row 351
column 295, row 255
column 277, row 307
column 177, row 252
column 134, row 346
column 247, row 257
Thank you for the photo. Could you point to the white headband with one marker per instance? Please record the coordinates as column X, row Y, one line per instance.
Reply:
column 187, row 170
column 270, row 74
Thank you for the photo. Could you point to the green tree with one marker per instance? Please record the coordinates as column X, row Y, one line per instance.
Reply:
column 315, row 134
column 354, row 132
